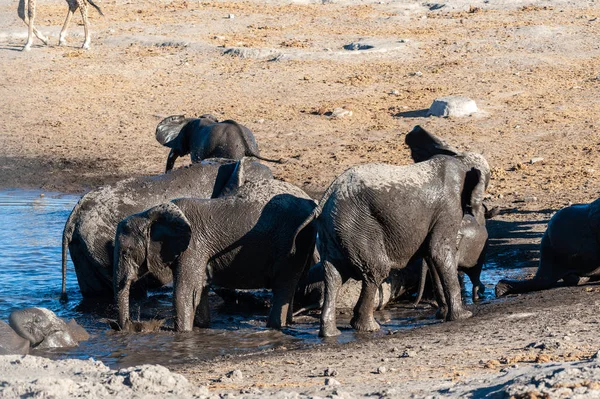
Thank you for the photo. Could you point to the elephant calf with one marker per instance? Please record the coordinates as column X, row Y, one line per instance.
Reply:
column 205, row 137
column 239, row 241
column 570, row 251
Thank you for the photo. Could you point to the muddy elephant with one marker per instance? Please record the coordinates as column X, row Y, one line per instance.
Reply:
column 310, row 292
column 570, row 250
column 374, row 218
column 89, row 232
column 12, row 343
column 44, row 330
column 205, row 137
column 239, row 241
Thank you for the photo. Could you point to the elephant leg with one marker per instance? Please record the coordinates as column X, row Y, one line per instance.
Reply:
column 443, row 257
column 474, row 274
column 363, row 319
column 549, row 272
column 284, row 287
column 574, row 280
column 333, row 282
column 202, row 318
column 438, row 292
column 188, row 284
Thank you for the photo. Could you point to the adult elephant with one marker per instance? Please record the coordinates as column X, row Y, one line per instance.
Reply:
column 89, row 232
column 238, row 241
column 570, row 250
column 374, row 218
column 205, row 137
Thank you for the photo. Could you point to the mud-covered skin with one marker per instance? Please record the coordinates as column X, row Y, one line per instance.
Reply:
column 205, row 137
column 570, row 251
column 399, row 283
column 238, row 241
column 376, row 217
column 90, row 229
column 44, row 330
column 12, row 343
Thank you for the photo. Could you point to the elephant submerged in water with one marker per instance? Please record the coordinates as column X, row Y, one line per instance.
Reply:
column 239, row 241
column 570, row 251
column 89, row 232
column 206, row 137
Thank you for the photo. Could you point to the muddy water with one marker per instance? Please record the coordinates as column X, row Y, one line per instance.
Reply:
column 30, row 275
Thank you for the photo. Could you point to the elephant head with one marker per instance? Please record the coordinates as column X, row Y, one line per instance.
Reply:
column 174, row 131
column 44, row 329
column 147, row 242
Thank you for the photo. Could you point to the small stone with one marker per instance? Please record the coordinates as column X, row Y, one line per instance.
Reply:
column 403, row 41
column 339, row 113
column 395, row 92
column 331, row 382
column 236, row 375
column 418, row 73
column 358, row 46
column 330, row 372
column 381, row 370
column 536, row 160
column 453, row 106
column 260, row 121
column 394, row 349
column 231, row 16
column 408, row 353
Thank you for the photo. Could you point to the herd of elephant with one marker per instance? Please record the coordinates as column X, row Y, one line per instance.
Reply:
column 225, row 222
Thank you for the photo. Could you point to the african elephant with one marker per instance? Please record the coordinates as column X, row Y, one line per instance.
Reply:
column 377, row 217
column 43, row 329
column 238, row 241
column 12, row 343
column 570, row 250
column 89, row 232
column 205, row 137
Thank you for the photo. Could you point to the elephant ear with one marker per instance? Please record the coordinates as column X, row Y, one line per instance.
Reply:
column 473, row 193
column 209, row 118
column 169, row 128
column 237, row 178
column 424, row 145
column 169, row 235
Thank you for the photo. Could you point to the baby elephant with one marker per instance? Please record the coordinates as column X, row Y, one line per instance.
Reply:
column 570, row 251
column 205, row 137
column 239, row 241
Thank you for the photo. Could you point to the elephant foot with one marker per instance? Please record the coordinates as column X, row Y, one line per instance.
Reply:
column 459, row 314
column 573, row 280
column 275, row 323
column 367, row 324
column 441, row 313
column 329, row 331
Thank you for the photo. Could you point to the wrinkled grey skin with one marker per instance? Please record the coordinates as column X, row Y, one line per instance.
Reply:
column 205, row 137
column 570, row 250
column 310, row 291
column 375, row 218
column 43, row 329
column 239, row 241
column 89, row 232
column 12, row 343
column 472, row 237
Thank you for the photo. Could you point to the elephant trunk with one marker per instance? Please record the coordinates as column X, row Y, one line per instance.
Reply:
column 66, row 240
column 122, row 287
column 173, row 155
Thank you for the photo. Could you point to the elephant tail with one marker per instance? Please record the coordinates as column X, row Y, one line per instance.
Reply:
column 66, row 240
column 249, row 143
column 313, row 215
column 422, row 279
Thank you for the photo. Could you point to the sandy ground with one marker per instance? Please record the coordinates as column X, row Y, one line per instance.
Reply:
column 73, row 120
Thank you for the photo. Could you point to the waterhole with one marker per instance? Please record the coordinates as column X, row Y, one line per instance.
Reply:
column 30, row 275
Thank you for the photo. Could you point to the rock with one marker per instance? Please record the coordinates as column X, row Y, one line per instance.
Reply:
column 12, row 343
column 536, row 160
column 356, row 46
column 418, row 74
column 382, row 370
column 254, row 53
column 408, row 353
column 340, row 113
column 331, row 382
column 395, row 93
column 330, row 372
column 231, row 16
column 235, row 375
column 453, row 106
